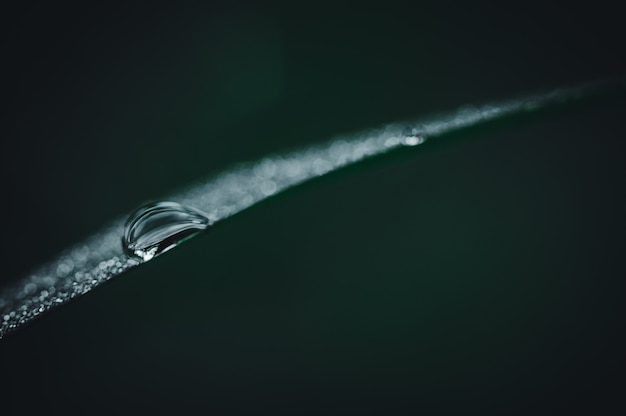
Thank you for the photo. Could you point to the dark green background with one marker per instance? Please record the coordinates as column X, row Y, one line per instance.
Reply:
column 479, row 273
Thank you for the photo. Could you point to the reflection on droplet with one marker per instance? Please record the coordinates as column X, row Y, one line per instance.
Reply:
column 158, row 227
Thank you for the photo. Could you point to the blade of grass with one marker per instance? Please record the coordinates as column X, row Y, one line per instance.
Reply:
column 100, row 257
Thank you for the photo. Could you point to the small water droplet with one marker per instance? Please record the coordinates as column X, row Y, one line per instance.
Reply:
column 160, row 226
column 30, row 288
column 268, row 188
column 412, row 136
column 413, row 140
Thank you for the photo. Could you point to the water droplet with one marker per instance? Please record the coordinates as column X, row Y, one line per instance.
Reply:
column 158, row 227
column 30, row 288
column 413, row 140
column 268, row 188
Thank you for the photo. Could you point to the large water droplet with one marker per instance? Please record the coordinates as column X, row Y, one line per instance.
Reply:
column 157, row 227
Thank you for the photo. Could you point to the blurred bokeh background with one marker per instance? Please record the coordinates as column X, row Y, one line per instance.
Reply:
column 480, row 273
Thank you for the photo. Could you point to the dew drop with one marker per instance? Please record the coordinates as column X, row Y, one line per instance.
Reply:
column 413, row 140
column 157, row 227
